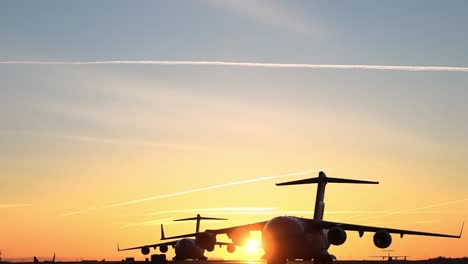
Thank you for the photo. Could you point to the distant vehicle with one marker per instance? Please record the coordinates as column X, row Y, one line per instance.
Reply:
column 45, row 261
column 290, row 237
column 185, row 248
column 389, row 257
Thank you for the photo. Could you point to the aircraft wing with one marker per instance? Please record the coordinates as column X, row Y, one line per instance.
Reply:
column 248, row 227
column 169, row 243
column 319, row 224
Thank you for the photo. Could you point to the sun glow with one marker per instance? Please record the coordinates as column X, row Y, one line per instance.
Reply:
column 252, row 246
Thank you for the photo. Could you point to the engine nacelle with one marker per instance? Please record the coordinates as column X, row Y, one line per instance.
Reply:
column 145, row 250
column 382, row 239
column 231, row 248
column 163, row 248
column 206, row 241
column 336, row 236
column 239, row 236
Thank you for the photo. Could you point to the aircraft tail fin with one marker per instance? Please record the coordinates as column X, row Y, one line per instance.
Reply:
column 322, row 181
column 36, row 260
column 198, row 218
column 162, row 233
column 461, row 231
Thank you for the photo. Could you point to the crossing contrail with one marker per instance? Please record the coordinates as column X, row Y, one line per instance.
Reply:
column 265, row 178
column 251, row 64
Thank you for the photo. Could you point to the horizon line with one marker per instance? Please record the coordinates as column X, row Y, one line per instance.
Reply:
column 427, row 68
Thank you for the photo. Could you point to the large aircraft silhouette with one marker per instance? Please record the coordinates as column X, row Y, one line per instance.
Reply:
column 185, row 248
column 290, row 237
column 36, row 261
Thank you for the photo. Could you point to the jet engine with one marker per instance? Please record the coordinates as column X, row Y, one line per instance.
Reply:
column 382, row 239
column 239, row 236
column 163, row 248
column 231, row 248
column 336, row 236
column 206, row 241
column 145, row 250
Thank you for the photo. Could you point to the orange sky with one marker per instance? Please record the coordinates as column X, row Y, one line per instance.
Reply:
column 58, row 186
column 53, row 218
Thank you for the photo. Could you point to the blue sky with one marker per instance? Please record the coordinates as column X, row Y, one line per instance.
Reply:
column 103, row 134
column 368, row 32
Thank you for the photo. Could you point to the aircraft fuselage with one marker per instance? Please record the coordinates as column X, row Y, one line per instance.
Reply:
column 186, row 249
column 287, row 237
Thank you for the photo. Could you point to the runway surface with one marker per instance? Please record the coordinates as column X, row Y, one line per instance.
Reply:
column 430, row 261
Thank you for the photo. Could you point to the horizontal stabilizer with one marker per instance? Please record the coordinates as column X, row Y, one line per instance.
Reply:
column 322, row 178
column 339, row 180
column 198, row 217
column 304, row 181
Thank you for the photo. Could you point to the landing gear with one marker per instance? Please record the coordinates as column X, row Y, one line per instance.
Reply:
column 325, row 259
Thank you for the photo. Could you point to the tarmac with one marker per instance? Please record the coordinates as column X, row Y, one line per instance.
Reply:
column 430, row 261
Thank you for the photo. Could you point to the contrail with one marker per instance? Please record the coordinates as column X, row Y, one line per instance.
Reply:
column 428, row 206
column 207, row 188
column 252, row 64
column 412, row 210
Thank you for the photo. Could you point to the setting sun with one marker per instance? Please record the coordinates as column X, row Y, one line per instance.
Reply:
column 252, row 246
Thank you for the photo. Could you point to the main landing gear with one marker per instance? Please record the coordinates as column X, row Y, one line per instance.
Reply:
column 325, row 259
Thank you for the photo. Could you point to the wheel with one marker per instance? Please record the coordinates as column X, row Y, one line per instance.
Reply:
column 326, row 259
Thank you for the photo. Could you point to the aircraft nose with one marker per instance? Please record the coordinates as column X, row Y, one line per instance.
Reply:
column 281, row 233
column 184, row 248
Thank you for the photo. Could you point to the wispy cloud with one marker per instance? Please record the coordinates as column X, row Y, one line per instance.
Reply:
column 14, row 205
column 411, row 210
column 71, row 213
column 89, row 209
column 428, row 206
column 258, row 179
column 254, row 65
column 221, row 210
column 297, row 213
column 106, row 140
column 165, row 221
column 266, row 12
